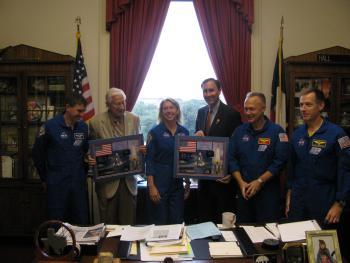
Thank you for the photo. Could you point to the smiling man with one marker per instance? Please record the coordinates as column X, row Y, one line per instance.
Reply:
column 219, row 120
column 58, row 154
column 319, row 174
column 116, row 197
column 258, row 151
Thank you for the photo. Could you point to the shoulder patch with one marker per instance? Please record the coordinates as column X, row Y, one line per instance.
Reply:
column 283, row 137
column 344, row 142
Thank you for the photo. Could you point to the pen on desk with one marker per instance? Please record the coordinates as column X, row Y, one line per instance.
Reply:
column 271, row 232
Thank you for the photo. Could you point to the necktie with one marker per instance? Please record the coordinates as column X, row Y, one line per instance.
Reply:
column 208, row 123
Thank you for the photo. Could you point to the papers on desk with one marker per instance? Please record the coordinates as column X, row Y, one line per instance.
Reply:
column 202, row 230
column 228, row 235
column 177, row 248
column 134, row 233
column 286, row 232
column 257, row 234
column 147, row 253
column 83, row 235
column 152, row 233
column 224, row 250
column 296, row 231
column 166, row 232
column 115, row 230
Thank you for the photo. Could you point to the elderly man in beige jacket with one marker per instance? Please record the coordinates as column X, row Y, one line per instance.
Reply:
column 116, row 198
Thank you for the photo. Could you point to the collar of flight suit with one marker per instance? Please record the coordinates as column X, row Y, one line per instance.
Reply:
column 264, row 128
column 320, row 130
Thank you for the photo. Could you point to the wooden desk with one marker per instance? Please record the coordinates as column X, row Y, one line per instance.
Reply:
column 111, row 245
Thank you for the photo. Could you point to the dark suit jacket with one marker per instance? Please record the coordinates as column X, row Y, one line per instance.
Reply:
column 225, row 122
column 214, row 197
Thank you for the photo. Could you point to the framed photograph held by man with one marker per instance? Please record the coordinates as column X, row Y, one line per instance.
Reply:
column 117, row 157
column 200, row 157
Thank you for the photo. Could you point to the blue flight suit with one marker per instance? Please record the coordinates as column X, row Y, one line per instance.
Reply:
column 58, row 155
column 252, row 153
column 160, row 164
column 318, row 173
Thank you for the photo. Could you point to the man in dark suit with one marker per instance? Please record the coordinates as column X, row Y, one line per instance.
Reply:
column 219, row 120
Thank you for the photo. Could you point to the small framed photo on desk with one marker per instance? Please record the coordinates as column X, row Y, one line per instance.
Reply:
column 117, row 157
column 323, row 246
column 200, row 157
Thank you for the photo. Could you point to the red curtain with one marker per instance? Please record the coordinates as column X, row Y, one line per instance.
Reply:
column 226, row 29
column 135, row 27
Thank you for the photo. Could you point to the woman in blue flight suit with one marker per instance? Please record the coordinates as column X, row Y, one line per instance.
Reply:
column 166, row 193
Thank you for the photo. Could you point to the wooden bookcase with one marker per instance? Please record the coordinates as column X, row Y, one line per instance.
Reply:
column 34, row 84
column 327, row 69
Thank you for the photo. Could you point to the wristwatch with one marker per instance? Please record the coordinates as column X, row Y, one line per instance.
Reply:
column 260, row 180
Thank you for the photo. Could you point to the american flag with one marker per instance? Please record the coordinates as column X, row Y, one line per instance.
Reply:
column 104, row 149
column 81, row 83
column 188, row 147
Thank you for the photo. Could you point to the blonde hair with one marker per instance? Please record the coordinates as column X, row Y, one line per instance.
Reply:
column 177, row 106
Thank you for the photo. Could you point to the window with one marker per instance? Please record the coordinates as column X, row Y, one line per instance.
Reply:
column 179, row 65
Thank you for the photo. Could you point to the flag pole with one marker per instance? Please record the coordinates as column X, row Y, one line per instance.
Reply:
column 89, row 181
column 280, row 44
column 78, row 23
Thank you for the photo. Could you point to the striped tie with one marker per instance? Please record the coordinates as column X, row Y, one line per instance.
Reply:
column 208, row 123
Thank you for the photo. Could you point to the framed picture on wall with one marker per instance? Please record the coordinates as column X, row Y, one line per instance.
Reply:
column 117, row 157
column 200, row 157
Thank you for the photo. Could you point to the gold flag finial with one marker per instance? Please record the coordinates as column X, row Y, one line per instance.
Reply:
column 78, row 22
column 281, row 30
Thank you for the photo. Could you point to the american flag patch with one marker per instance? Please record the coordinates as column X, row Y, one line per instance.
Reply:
column 104, row 149
column 344, row 142
column 188, row 147
column 283, row 137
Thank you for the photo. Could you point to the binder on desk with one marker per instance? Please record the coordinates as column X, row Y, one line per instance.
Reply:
column 245, row 243
column 124, row 251
column 200, row 248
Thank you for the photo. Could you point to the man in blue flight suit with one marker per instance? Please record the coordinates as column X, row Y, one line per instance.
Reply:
column 318, row 175
column 258, row 151
column 58, row 153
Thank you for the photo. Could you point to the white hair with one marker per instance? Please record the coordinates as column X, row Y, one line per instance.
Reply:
column 114, row 92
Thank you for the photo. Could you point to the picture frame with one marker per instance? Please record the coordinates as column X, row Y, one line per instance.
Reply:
column 117, row 157
column 200, row 157
column 323, row 246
